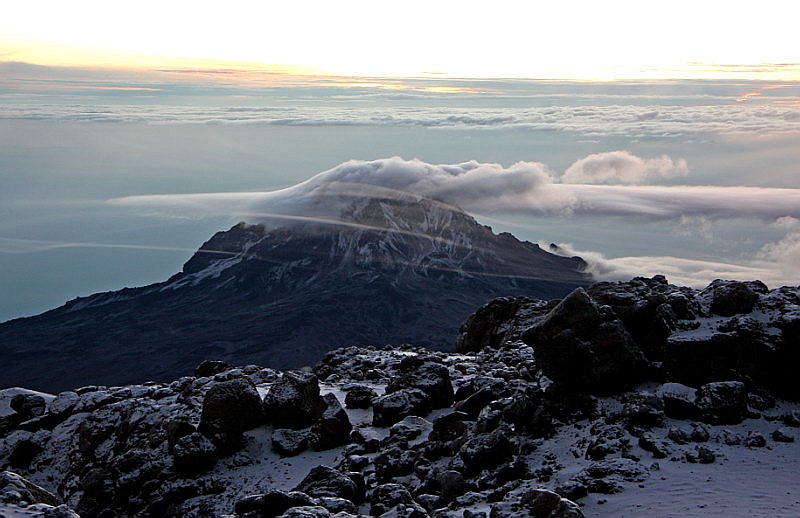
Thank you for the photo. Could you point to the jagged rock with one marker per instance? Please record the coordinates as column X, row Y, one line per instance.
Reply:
column 325, row 481
column 28, row 406
column 368, row 439
column 701, row 455
column 449, row 426
column 338, row 505
column 730, row 298
column 783, row 435
column 294, row 400
column 431, row 378
column 16, row 490
column 289, row 443
column 271, row 504
column 496, row 323
column 230, row 408
column 546, row 504
column 683, row 435
column 585, row 347
column 642, row 408
column 679, row 401
column 528, row 415
column 360, row 396
column 486, row 450
column 755, row 440
column 194, row 453
column 473, row 404
column 176, row 429
column 387, row 496
column 332, row 427
column 608, row 440
column 722, row 402
column 409, row 428
column 391, row 408
column 650, row 444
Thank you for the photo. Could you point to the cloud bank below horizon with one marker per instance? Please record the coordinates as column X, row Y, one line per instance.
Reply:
column 633, row 121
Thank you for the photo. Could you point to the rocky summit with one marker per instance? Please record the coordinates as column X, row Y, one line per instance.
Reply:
column 385, row 271
column 628, row 398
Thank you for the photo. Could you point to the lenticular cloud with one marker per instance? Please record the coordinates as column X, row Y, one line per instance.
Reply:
column 525, row 187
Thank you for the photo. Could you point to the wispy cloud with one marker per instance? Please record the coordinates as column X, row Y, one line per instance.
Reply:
column 776, row 264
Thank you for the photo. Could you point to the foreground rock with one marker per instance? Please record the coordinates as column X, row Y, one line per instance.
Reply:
column 507, row 431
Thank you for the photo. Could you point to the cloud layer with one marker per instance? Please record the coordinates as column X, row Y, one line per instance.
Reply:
column 525, row 187
column 776, row 264
column 628, row 120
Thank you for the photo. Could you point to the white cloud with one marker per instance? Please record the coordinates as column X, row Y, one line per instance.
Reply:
column 773, row 266
column 525, row 187
column 621, row 167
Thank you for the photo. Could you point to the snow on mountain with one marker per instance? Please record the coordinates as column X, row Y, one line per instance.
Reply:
column 397, row 269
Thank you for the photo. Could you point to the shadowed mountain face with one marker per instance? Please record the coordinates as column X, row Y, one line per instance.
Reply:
column 389, row 272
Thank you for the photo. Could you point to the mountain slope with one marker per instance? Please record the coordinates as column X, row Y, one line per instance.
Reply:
column 386, row 271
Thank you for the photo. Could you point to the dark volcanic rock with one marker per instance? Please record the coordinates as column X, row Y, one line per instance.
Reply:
column 230, row 408
column 332, row 427
column 28, row 406
column 499, row 321
column 271, row 504
column 325, row 481
column 486, row 451
column 585, row 347
column 730, row 298
column 391, row 408
column 194, row 453
column 542, row 503
column 722, row 402
column 289, row 443
column 294, row 400
column 360, row 397
column 431, row 378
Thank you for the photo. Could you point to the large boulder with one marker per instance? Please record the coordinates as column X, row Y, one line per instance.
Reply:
column 730, row 298
column 333, row 427
column 723, row 402
column 486, row 450
column 294, row 401
column 230, row 408
column 584, row 347
column 431, row 378
column 391, row 408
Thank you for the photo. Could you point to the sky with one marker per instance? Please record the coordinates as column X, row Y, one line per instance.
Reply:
column 646, row 138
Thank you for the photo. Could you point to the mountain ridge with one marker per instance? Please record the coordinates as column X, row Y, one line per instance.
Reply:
column 388, row 270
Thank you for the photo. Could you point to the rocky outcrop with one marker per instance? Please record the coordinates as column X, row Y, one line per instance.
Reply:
column 585, row 347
